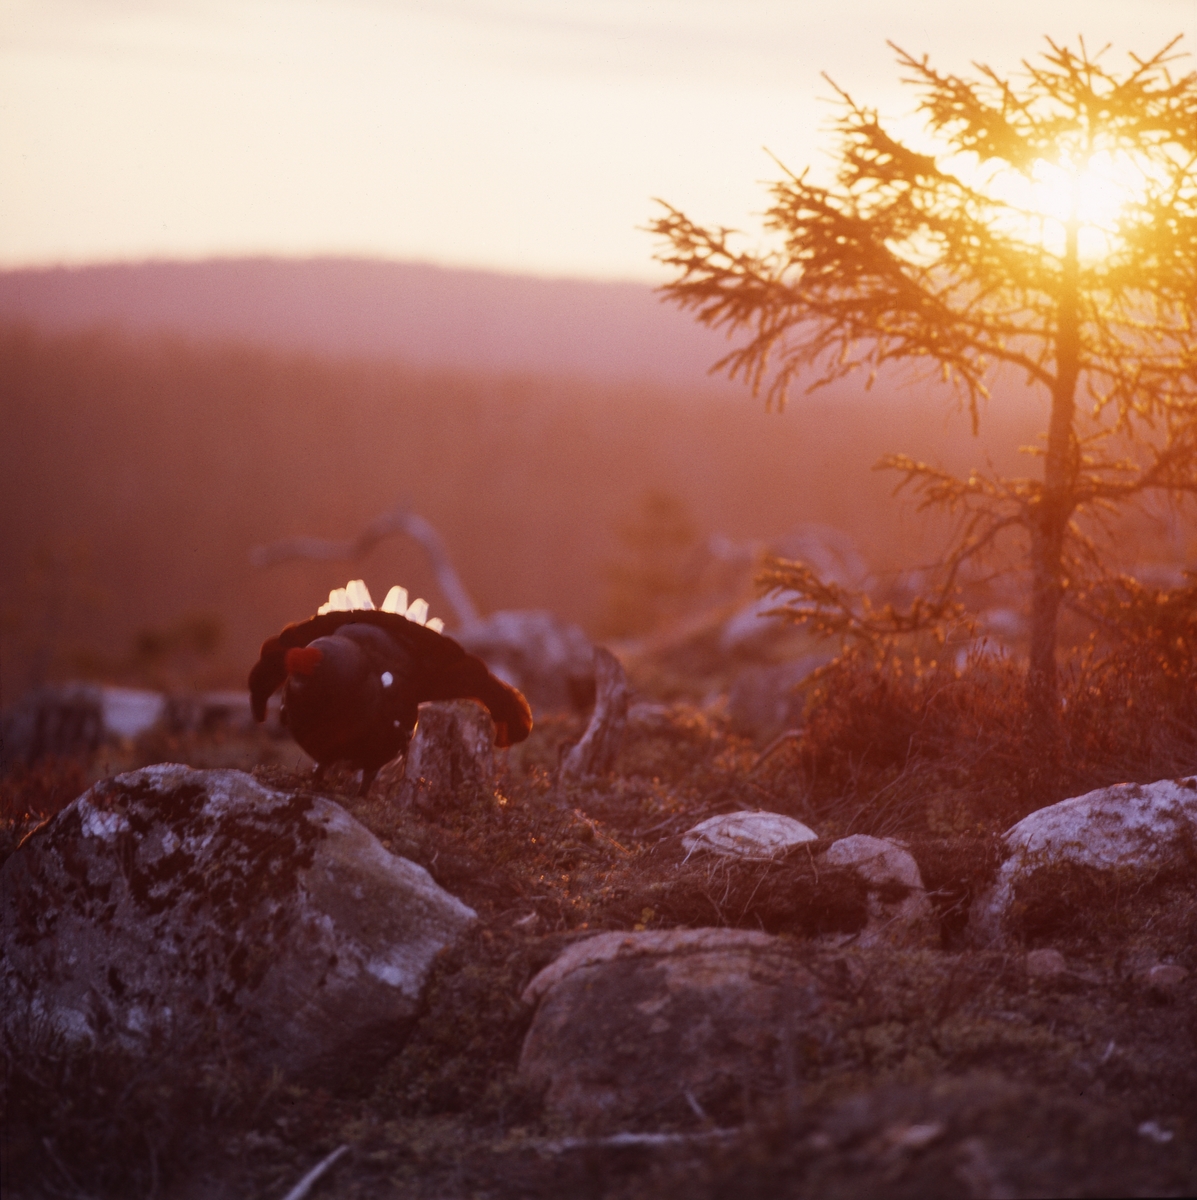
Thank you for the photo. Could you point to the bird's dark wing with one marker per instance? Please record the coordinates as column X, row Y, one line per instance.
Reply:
column 470, row 679
column 445, row 671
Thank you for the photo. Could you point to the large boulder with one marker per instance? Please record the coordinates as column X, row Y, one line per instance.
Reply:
column 1132, row 828
column 175, row 907
column 666, row 1026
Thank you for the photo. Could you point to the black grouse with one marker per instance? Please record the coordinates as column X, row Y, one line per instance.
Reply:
column 353, row 678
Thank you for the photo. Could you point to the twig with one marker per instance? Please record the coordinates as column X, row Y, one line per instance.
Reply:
column 397, row 520
column 617, row 1140
column 788, row 735
column 697, row 1109
column 305, row 1185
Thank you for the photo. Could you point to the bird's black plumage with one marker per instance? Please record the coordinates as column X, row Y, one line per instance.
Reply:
column 353, row 682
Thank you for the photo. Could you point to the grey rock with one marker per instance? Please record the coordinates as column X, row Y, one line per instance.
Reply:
column 748, row 835
column 76, row 719
column 1130, row 827
column 751, row 629
column 175, row 907
column 647, row 718
column 662, row 1025
column 899, row 911
column 1166, row 980
column 1046, row 964
column 61, row 720
column 130, row 712
column 763, row 701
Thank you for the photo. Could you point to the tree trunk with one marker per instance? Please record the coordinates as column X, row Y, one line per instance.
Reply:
column 1054, row 507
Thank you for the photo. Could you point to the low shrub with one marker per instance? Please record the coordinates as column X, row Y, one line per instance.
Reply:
column 900, row 747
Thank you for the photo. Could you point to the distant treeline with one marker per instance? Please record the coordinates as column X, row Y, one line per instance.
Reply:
column 439, row 317
column 135, row 476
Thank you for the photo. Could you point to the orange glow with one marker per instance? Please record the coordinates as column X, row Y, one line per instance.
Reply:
column 519, row 135
column 1095, row 194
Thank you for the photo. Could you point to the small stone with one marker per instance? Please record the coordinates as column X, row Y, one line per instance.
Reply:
column 976, row 1169
column 1154, row 1132
column 878, row 861
column 1165, row 978
column 751, row 835
column 899, row 911
column 914, row 1137
column 1046, row 964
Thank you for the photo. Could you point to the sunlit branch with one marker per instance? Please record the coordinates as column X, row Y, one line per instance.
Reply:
column 1053, row 231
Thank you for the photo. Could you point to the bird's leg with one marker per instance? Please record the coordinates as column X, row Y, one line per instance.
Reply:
column 368, row 776
column 318, row 773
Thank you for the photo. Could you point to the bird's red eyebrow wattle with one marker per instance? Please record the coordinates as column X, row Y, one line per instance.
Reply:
column 302, row 660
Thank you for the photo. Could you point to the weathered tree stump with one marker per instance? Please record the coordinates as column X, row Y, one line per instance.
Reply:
column 450, row 755
column 595, row 753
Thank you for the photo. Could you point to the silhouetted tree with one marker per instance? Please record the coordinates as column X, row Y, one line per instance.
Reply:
column 1048, row 225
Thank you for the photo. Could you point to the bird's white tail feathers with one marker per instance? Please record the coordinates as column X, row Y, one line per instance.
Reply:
column 355, row 596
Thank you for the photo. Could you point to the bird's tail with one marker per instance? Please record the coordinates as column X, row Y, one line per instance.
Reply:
column 469, row 679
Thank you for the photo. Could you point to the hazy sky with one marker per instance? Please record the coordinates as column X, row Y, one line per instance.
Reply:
column 525, row 135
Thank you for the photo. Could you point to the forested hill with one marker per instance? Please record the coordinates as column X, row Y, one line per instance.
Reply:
column 423, row 315
column 137, row 473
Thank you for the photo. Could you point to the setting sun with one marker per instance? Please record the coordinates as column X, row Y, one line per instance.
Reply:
column 1042, row 202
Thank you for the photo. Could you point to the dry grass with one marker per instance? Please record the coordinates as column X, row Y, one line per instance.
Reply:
column 928, row 754
column 900, row 748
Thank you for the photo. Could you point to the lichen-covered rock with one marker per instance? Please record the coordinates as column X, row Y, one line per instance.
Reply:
column 1131, row 827
column 175, row 906
column 663, row 1025
column 751, row 835
column 899, row 911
